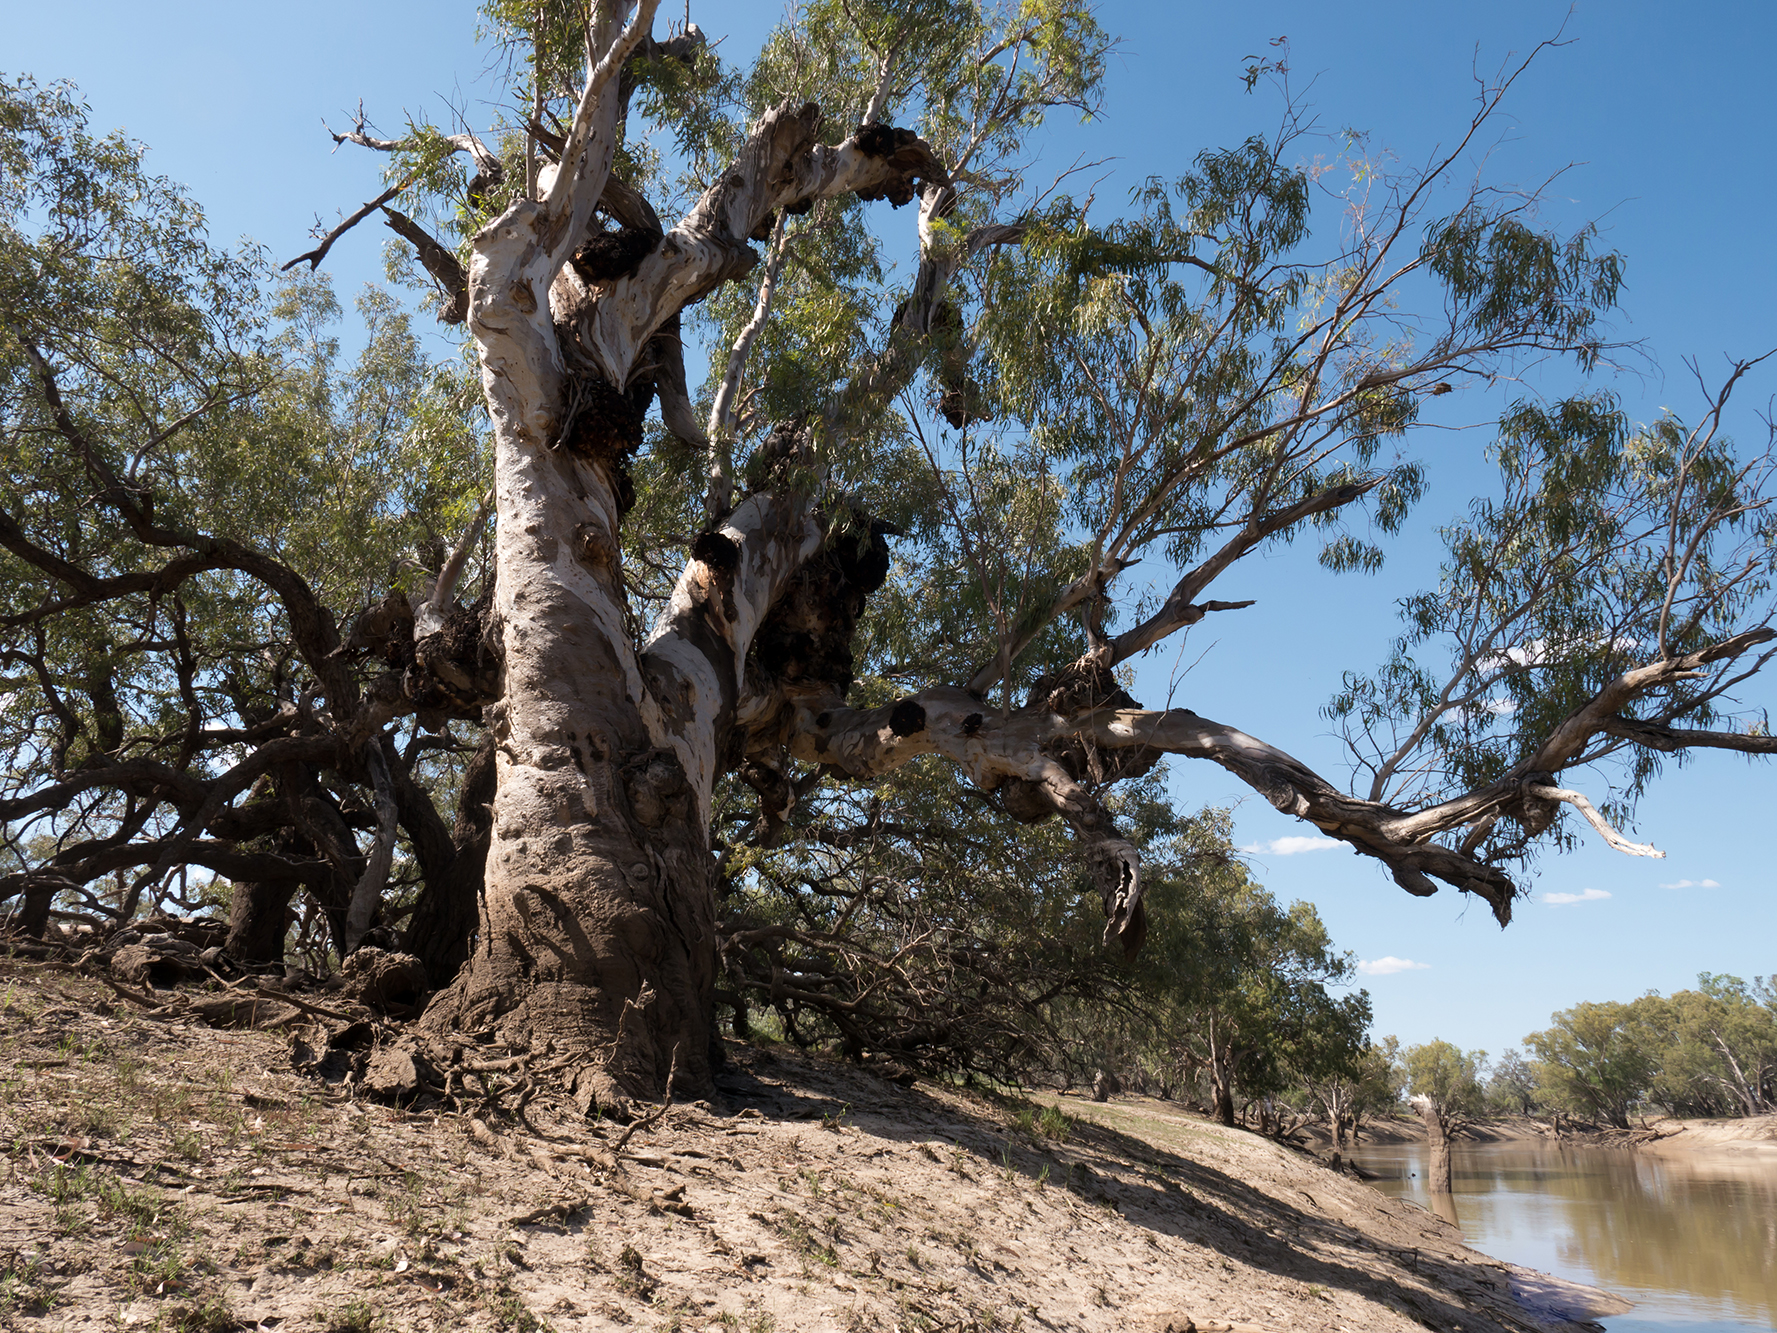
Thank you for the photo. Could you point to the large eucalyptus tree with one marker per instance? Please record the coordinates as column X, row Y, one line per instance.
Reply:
column 1043, row 400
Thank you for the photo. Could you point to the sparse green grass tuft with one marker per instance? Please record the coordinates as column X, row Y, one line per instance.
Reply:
column 1055, row 1123
column 24, row 1288
column 210, row 1315
column 510, row 1312
column 355, row 1316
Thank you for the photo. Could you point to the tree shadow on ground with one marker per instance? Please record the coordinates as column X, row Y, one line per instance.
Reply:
column 1147, row 1185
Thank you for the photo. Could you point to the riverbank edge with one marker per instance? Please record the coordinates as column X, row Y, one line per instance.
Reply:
column 1741, row 1136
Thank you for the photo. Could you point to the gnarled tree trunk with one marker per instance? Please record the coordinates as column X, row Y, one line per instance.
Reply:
column 258, row 920
column 1438, row 1175
column 597, row 931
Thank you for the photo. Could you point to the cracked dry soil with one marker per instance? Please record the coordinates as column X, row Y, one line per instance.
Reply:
column 164, row 1175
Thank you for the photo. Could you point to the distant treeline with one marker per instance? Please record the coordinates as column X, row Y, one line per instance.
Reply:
column 1711, row 1051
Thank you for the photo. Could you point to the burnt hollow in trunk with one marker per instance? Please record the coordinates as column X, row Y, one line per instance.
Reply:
column 808, row 635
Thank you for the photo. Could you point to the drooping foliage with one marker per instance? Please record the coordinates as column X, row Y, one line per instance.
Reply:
column 200, row 491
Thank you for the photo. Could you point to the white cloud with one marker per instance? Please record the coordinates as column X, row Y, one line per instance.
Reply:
column 1387, row 967
column 1692, row 884
column 1583, row 896
column 1291, row 846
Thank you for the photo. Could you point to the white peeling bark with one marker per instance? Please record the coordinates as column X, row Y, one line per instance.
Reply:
column 990, row 749
column 429, row 618
column 697, row 650
column 1596, row 820
column 597, row 931
column 782, row 163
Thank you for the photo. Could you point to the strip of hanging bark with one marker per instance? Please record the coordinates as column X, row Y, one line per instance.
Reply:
column 666, row 350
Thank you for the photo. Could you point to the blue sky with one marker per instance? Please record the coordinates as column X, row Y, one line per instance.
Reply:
column 1664, row 121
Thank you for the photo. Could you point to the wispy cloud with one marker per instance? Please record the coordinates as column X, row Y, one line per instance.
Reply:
column 1387, row 967
column 1692, row 884
column 1583, row 896
column 1291, row 846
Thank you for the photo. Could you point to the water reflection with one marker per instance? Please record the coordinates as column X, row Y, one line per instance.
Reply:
column 1692, row 1240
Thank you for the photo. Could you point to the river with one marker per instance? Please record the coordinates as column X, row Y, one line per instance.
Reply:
column 1691, row 1240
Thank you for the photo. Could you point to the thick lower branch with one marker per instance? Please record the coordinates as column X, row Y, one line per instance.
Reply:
column 990, row 749
column 1672, row 740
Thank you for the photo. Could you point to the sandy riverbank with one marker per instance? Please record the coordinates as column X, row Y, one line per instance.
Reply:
column 165, row 1174
column 1752, row 1136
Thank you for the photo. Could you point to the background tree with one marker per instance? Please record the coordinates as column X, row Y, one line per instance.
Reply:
column 1246, row 991
column 1511, row 1086
column 1448, row 1085
column 200, row 491
column 1589, row 1060
column 1371, row 1085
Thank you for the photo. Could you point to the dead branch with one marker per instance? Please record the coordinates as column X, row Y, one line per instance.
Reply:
column 439, row 262
column 315, row 256
column 651, row 1119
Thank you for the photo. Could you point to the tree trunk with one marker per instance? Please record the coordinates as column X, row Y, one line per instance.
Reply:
column 258, row 920
column 1221, row 1083
column 597, row 921
column 446, row 915
column 598, row 916
column 35, row 891
column 1437, row 1139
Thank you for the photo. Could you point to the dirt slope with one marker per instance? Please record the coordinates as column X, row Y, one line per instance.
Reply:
column 163, row 1174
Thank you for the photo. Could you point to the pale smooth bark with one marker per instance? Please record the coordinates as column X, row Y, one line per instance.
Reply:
column 1438, row 1173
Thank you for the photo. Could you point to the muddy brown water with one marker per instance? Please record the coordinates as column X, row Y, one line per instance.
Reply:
column 1691, row 1240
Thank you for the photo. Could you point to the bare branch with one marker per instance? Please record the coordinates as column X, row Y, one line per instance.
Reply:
column 368, row 893
column 1673, row 740
column 1596, row 820
column 315, row 256
column 561, row 198
column 429, row 619
column 721, row 428
column 439, row 262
